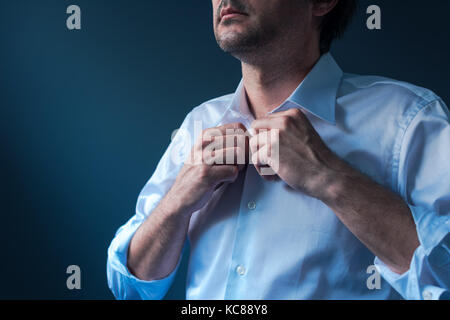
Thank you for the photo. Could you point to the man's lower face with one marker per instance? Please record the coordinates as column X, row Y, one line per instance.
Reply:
column 232, row 28
column 239, row 34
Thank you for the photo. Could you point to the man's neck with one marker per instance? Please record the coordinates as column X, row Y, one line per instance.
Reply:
column 269, row 84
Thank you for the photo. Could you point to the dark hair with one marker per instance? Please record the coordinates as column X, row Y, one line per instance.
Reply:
column 333, row 24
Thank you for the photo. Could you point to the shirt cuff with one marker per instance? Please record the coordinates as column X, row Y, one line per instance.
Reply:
column 428, row 277
column 123, row 284
column 408, row 286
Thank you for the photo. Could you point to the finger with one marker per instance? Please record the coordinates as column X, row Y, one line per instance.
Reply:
column 258, row 169
column 231, row 141
column 227, row 140
column 267, row 173
column 204, row 149
column 261, row 158
column 225, row 136
column 260, row 140
column 226, row 156
column 262, row 171
column 234, row 156
column 264, row 163
column 208, row 135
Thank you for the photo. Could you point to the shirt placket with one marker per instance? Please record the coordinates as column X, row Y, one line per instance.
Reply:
column 240, row 265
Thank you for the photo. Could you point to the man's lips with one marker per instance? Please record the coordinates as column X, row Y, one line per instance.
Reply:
column 230, row 13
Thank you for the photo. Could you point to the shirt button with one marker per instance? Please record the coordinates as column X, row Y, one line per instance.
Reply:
column 427, row 295
column 251, row 205
column 240, row 270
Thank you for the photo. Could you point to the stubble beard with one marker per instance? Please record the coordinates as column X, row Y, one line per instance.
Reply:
column 246, row 46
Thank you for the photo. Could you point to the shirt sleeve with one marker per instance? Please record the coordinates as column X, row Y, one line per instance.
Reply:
column 121, row 282
column 424, row 183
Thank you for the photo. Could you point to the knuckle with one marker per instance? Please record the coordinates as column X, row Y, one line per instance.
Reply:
column 205, row 137
column 212, row 132
column 239, row 125
column 255, row 124
column 206, row 132
column 286, row 121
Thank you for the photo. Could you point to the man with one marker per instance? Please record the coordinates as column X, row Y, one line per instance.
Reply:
column 362, row 176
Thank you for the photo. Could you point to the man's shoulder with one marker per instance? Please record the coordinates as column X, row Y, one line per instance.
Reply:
column 212, row 111
column 388, row 87
column 218, row 102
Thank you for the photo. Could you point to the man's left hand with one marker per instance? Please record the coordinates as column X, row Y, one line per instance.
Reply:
column 297, row 154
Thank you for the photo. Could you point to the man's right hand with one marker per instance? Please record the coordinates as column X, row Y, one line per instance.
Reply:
column 155, row 248
column 216, row 158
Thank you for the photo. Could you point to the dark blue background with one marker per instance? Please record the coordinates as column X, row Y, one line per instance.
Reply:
column 86, row 115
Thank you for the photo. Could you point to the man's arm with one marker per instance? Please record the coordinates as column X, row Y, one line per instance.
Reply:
column 378, row 217
column 143, row 256
column 123, row 284
column 308, row 165
column 156, row 247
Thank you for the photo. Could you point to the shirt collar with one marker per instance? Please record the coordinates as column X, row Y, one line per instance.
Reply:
column 316, row 93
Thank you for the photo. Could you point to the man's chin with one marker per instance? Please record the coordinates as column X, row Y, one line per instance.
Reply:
column 231, row 45
column 238, row 40
column 237, row 27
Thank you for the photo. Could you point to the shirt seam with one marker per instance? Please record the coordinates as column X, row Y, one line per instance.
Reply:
column 400, row 141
